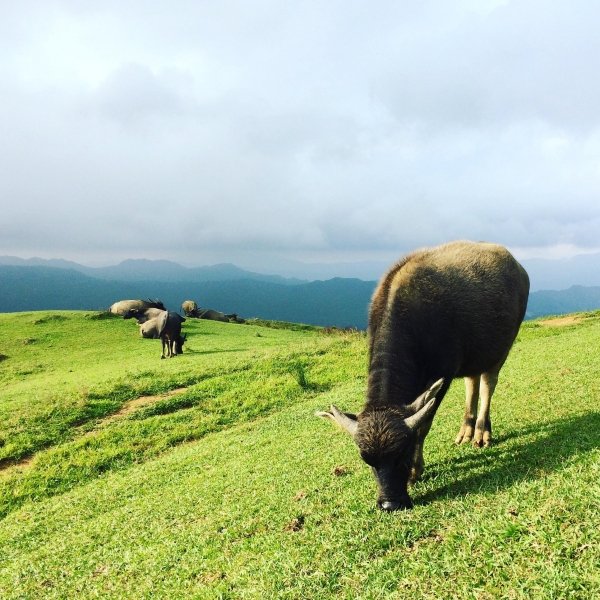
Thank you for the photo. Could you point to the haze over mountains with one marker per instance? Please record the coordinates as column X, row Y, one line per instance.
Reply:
column 558, row 287
column 545, row 274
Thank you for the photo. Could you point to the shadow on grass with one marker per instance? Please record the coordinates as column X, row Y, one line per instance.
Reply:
column 509, row 462
column 190, row 351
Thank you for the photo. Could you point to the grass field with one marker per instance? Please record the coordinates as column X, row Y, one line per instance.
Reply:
column 207, row 476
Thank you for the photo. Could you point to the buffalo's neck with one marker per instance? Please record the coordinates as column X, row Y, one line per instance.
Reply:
column 396, row 377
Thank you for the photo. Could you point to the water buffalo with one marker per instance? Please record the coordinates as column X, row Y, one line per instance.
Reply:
column 189, row 308
column 169, row 331
column 438, row 313
column 215, row 315
column 149, row 329
column 143, row 315
column 120, row 308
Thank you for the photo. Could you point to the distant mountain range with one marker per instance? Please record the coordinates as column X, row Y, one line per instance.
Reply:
column 152, row 270
column 340, row 302
column 544, row 274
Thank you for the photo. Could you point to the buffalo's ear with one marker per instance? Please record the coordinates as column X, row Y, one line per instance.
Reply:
column 346, row 421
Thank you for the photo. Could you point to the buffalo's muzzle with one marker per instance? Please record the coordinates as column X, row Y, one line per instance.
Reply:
column 391, row 505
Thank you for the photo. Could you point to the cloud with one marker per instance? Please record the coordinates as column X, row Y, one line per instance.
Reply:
column 204, row 130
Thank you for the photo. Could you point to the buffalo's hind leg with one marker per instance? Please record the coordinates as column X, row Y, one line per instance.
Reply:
column 483, row 427
column 472, row 396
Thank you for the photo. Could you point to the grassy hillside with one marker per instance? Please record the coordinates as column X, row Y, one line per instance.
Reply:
column 207, row 476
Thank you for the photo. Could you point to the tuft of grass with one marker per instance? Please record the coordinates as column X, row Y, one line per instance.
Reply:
column 297, row 369
column 282, row 325
column 50, row 319
column 101, row 315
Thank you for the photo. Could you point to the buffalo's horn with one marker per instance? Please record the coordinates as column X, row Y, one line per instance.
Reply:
column 420, row 417
column 345, row 421
column 424, row 398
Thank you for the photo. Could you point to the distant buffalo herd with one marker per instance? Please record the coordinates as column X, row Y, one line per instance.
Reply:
column 155, row 321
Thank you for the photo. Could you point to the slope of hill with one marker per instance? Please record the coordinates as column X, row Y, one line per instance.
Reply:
column 340, row 302
column 207, row 476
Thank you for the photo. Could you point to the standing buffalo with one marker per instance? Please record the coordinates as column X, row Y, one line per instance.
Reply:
column 120, row 308
column 169, row 331
column 438, row 313
column 162, row 324
column 189, row 308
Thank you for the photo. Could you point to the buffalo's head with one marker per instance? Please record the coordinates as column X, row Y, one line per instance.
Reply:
column 386, row 437
column 156, row 304
column 179, row 343
column 132, row 313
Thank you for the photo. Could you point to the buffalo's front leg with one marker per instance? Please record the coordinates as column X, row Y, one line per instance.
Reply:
column 472, row 396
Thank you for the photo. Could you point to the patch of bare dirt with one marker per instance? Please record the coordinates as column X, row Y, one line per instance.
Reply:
column 340, row 471
column 295, row 524
column 9, row 465
column 560, row 322
column 142, row 401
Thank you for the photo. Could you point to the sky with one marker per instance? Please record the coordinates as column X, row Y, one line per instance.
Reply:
column 257, row 132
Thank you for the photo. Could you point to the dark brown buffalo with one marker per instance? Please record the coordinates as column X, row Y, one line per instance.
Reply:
column 438, row 313
column 169, row 332
column 191, row 309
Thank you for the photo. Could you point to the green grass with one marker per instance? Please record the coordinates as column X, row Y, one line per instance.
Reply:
column 233, row 489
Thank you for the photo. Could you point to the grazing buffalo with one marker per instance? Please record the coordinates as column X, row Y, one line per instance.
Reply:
column 120, row 308
column 438, row 313
column 169, row 331
column 189, row 308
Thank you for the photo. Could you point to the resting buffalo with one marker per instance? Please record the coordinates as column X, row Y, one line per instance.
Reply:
column 120, row 308
column 215, row 315
column 149, row 329
column 143, row 315
column 191, row 309
column 438, row 313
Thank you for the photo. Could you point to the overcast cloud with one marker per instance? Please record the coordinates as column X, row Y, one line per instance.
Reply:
column 206, row 132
